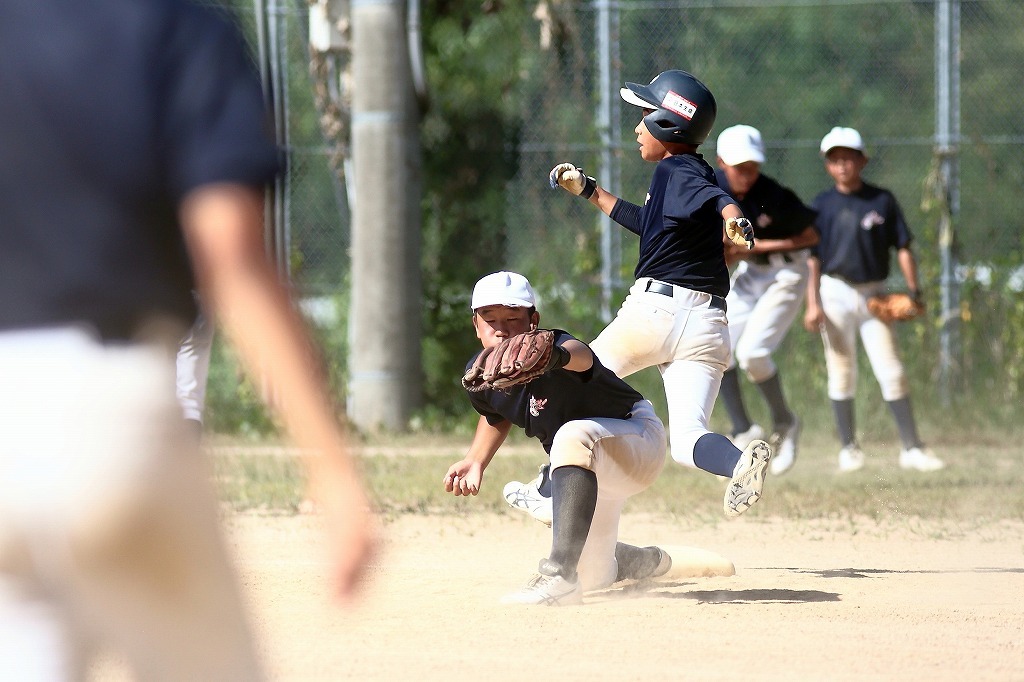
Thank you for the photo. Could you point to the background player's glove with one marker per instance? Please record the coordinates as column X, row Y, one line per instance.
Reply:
column 740, row 231
column 516, row 360
column 572, row 180
column 895, row 307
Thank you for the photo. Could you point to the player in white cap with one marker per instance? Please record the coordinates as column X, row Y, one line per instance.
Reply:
column 768, row 288
column 604, row 443
column 859, row 225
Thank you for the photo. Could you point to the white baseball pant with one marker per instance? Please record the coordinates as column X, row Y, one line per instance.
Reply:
column 109, row 534
column 687, row 339
column 626, row 455
column 763, row 303
column 846, row 315
column 193, row 368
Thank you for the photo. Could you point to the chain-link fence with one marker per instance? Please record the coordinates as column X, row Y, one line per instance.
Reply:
column 309, row 212
column 792, row 68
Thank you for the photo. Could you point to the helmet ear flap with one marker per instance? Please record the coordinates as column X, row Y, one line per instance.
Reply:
column 660, row 127
column 686, row 111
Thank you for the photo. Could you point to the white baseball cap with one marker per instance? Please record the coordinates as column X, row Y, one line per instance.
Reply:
column 842, row 137
column 740, row 144
column 504, row 288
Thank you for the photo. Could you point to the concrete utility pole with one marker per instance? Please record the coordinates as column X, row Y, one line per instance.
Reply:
column 947, row 146
column 385, row 384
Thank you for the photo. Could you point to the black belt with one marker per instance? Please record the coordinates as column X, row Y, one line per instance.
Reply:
column 656, row 287
column 763, row 258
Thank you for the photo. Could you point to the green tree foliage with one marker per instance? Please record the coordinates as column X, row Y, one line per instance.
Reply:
column 792, row 69
column 470, row 134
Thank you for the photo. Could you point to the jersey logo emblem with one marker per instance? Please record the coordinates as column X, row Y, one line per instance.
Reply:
column 536, row 405
column 764, row 220
column 673, row 101
column 871, row 219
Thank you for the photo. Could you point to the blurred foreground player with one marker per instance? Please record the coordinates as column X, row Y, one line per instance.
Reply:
column 132, row 134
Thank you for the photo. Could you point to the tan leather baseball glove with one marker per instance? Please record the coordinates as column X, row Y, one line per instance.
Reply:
column 895, row 307
column 516, row 360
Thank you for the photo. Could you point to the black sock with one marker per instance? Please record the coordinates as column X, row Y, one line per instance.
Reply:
column 905, row 422
column 732, row 398
column 574, row 499
column 771, row 389
column 635, row 563
column 715, row 453
column 843, row 410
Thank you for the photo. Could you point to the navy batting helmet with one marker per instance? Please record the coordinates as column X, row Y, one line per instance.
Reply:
column 684, row 108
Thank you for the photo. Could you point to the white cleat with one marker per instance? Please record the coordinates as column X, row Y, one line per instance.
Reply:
column 547, row 590
column 851, row 458
column 920, row 459
column 742, row 440
column 526, row 498
column 747, row 478
column 784, row 444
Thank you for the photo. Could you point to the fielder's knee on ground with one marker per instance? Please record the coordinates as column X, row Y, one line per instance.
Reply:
column 573, row 445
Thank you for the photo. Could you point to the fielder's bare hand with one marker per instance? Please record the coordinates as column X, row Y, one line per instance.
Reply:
column 464, row 478
column 814, row 317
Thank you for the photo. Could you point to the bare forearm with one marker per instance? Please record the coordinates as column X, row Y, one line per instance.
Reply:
column 486, row 441
column 603, row 199
column 805, row 239
column 239, row 283
column 814, row 282
column 908, row 265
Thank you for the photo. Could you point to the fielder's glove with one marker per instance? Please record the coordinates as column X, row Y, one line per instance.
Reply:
column 895, row 307
column 572, row 180
column 516, row 360
column 740, row 231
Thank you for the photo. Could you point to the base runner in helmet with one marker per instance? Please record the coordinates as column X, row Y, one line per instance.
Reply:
column 675, row 314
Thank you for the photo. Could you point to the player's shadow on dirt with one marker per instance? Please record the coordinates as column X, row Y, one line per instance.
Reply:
column 661, row 590
column 871, row 572
column 777, row 596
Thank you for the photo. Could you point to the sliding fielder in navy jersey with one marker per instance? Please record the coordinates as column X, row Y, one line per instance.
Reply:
column 604, row 444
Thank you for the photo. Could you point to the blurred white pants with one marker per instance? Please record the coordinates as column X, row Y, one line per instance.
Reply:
column 626, row 455
column 764, row 300
column 846, row 314
column 109, row 535
column 193, row 367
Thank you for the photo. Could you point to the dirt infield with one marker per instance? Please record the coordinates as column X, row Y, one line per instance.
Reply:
column 844, row 599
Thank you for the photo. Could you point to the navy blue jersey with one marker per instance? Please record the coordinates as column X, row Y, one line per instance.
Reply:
column 111, row 111
column 543, row 405
column 857, row 232
column 680, row 226
column 775, row 211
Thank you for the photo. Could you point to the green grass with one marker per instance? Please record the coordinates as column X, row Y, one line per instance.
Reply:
column 982, row 483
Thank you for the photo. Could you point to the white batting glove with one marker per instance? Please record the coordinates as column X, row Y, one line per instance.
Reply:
column 572, row 180
column 740, row 231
